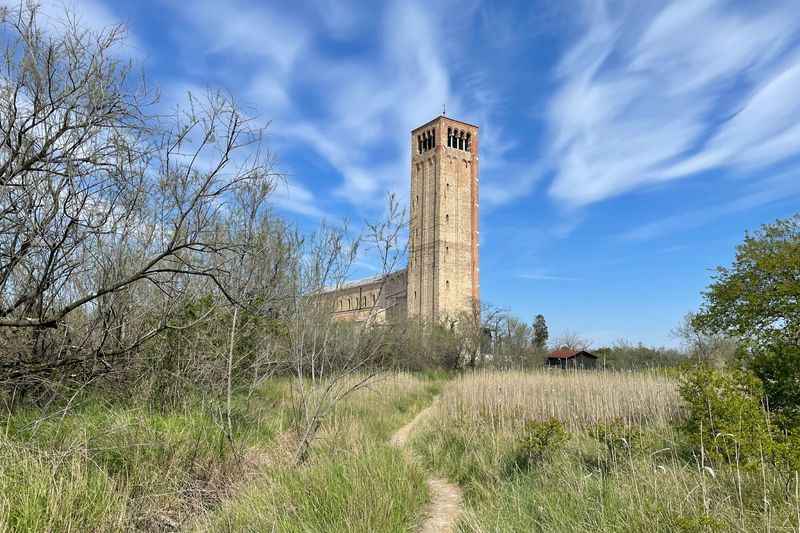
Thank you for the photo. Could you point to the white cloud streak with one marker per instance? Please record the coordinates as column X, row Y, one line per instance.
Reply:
column 760, row 194
column 649, row 97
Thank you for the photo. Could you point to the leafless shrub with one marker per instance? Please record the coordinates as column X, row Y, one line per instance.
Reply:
column 112, row 218
column 334, row 359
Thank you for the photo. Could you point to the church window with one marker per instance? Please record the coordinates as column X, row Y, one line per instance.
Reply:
column 433, row 138
column 419, row 144
column 468, row 143
column 461, row 140
column 415, row 295
column 348, row 304
column 447, row 284
column 449, row 137
column 446, row 219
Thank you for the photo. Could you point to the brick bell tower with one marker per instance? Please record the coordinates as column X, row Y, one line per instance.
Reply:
column 443, row 273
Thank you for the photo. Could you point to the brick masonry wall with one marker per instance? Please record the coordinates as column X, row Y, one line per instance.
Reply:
column 442, row 277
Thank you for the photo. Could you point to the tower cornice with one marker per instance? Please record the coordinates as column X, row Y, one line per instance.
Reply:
column 444, row 117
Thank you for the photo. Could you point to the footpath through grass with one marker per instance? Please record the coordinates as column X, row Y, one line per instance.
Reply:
column 354, row 481
column 112, row 466
column 618, row 466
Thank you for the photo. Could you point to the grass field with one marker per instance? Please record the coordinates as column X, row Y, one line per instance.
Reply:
column 622, row 466
column 618, row 464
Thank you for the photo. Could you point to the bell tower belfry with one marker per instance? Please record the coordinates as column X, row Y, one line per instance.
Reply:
column 443, row 274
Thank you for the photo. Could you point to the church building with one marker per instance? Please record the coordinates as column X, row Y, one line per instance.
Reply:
column 442, row 277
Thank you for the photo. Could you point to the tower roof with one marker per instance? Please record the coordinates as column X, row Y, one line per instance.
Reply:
column 445, row 117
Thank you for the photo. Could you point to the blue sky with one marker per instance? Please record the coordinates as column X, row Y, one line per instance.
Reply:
column 625, row 146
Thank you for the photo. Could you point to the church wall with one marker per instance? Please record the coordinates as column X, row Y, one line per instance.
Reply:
column 381, row 300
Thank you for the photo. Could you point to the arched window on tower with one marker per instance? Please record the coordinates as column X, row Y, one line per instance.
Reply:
column 468, row 143
column 460, row 140
column 449, row 137
column 419, row 144
column 349, row 304
column 433, row 138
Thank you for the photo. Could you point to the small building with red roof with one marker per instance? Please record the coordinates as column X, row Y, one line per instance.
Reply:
column 566, row 358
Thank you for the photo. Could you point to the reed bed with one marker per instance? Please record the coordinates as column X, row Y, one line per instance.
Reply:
column 578, row 399
column 625, row 465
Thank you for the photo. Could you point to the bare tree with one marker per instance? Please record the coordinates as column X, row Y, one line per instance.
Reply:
column 715, row 349
column 335, row 359
column 108, row 213
column 477, row 327
column 569, row 340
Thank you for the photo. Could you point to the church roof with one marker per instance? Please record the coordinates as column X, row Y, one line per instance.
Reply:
column 363, row 281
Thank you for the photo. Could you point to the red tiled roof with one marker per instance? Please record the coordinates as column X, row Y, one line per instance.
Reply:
column 567, row 354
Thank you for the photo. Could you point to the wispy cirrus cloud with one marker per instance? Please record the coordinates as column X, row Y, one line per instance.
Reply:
column 363, row 105
column 55, row 16
column 759, row 194
column 648, row 96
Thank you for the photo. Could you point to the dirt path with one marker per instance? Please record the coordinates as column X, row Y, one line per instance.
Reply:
column 444, row 509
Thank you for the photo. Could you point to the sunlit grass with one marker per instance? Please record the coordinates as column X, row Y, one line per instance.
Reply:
column 625, row 466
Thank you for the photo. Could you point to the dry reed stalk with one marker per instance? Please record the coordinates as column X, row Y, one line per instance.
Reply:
column 578, row 399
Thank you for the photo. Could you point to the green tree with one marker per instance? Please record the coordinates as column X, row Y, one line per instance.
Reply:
column 757, row 299
column 540, row 333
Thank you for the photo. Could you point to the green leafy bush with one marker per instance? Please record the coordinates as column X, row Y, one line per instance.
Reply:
column 726, row 418
column 727, row 421
column 778, row 367
column 538, row 440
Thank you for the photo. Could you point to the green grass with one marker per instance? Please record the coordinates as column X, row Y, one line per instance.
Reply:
column 354, row 481
column 111, row 466
column 105, row 465
column 596, row 481
column 372, row 490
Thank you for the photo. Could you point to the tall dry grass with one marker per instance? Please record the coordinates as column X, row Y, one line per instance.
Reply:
column 638, row 475
column 578, row 399
column 353, row 481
